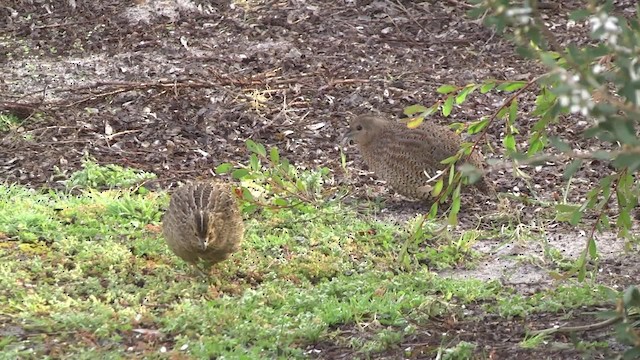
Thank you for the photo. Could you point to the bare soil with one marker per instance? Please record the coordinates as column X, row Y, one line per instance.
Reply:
column 175, row 87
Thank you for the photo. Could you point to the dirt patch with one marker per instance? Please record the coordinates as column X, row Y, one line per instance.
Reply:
column 493, row 338
column 527, row 266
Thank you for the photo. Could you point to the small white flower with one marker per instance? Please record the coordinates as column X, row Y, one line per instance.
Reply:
column 607, row 26
column 520, row 16
column 597, row 69
column 596, row 24
column 585, row 95
column 611, row 25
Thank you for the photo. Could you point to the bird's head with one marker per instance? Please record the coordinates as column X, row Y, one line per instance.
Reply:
column 365, row 128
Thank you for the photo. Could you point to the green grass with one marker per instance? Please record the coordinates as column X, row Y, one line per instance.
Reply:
column 89, row 275
column 8, row 122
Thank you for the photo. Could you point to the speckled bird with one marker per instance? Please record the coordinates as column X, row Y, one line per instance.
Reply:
column 406, row 158
column 203, row 223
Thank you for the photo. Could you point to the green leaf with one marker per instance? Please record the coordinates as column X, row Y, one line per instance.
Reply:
column 446, row 89
column 624, row 219
column 223, row 168
column 462, row 96
column 262, row 151
column 544, row 101
column 502, row 112
column 572, row 168
column 629, row 160
column 451, row 173
column 509, row 143
column 549, row 58
column 566, row 208
column 246, row 194
column 511, row 86
column 433, row 212
column 579, row 15
column 251, row 145
column 576, row 217
column 486, row 87
column 256, row 148
column 593, row 250
column 447, row 106
column 453, row 218
column 450, row 159
column 415, row 122
column 513, row 111
column 455, row 208
column 477, row 126
column 536, row 144
column 274, row 155
column 559, row 144
column 254, row 162
column 431, row 110
column 437, row 188
column 625, row 132
column 280, row 202
column 239, row 173
column 602, row 155
column 631, row 297
column 414, row 109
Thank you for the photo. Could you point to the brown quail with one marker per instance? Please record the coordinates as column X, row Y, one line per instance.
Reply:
column 203, row 223
column 406, row 158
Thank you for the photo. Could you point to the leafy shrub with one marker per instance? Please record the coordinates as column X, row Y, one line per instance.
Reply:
column 271, row 181
column 109, row 176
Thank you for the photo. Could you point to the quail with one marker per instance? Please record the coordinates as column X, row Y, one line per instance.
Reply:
column 406, row 158
column 203, row 223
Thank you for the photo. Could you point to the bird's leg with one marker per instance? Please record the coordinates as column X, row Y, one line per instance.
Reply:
column 199, row 271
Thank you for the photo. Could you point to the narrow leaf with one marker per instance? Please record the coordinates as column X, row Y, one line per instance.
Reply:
column 446, row 89
column 572, row 168
column 511, row 86
column 462, row 96
column 274, row 155
column 513, row 111
column 223, row 168
column 433, row 211
column 560, row 144
column 414, row 109
column 437, row 188
column 447, row 106
column 593, row 250
column 509, row 143
column 485, row 88
column 477, row 126
column 415, row 122
column 239, row 173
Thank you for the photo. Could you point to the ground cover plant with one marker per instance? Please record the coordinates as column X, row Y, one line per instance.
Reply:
column 107, row 106
column 88, row 275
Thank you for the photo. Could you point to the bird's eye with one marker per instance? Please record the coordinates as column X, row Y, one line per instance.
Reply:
column 359, row 127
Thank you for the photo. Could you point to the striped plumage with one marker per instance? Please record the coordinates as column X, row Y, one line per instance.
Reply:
column 203, row 223
column 401, row 156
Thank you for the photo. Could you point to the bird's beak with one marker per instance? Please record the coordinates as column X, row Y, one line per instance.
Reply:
column 203, row 243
